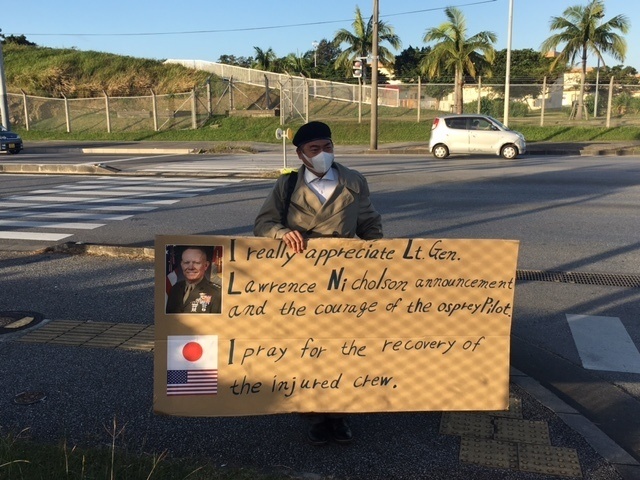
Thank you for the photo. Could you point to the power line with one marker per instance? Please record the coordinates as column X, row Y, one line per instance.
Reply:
column 231, row 30
column 437, row 8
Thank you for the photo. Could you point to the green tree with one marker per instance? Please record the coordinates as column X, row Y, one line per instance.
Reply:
column 322, row 59
column 456, row 52
column 297, row 65
column 237, row 61
column 265, row 59
column 623, row 75
column 360, row 42
column 16, row 39
column 407, row 63
column 527, row 66
column 407, row 68
column 582, row 30
column 528, row 69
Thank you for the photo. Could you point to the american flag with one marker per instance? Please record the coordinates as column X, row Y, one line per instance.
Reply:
column 192, row 382
column 172, row 276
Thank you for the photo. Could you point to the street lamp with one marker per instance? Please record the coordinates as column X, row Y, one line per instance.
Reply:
column 315, row 44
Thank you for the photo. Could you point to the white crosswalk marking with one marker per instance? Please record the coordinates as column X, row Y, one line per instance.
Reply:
column 27, row 223
column 261, row 163
column 44, row 237
column 117, row 193
column 87, row 204
column 69, row 215
column 603, row 343
column 57, row 206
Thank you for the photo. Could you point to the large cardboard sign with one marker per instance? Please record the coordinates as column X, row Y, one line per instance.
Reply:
column 346, row 326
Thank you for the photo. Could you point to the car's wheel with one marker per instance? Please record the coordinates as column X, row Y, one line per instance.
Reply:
column 440, row 151
column 509, row 151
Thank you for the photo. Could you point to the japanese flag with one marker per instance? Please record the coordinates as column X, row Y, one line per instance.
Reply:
column 192, row 352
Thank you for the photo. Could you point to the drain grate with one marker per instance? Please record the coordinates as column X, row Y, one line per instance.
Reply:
column 13, row 321
column 602, row 279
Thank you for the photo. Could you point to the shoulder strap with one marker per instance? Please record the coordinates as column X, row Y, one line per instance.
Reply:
column 291, row 186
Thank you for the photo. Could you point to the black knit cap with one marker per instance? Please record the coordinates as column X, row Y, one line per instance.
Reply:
column 311, row 131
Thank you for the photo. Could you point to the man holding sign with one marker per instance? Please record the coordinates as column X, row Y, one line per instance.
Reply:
column 323, row 199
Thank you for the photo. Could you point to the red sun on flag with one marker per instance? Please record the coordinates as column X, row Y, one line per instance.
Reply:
column 192, row 351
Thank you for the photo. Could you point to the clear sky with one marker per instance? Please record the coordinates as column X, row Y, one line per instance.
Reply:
column 207, row 29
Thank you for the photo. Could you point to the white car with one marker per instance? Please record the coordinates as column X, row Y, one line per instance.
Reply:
column 469, row 134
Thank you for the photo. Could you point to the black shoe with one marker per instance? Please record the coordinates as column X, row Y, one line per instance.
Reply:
column 318, row 434
column 340, row 430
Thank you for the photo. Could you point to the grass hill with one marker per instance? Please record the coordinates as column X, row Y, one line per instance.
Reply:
column 54, row 72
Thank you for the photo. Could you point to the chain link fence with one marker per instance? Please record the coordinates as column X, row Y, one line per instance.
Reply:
column 122, row 114
column 241, row 91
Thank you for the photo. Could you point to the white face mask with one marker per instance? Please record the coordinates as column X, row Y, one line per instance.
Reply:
column 321, row 162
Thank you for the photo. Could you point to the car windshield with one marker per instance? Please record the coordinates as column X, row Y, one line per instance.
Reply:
column 499, row 123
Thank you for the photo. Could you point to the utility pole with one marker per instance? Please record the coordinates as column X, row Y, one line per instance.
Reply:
column 373, row 142
column 595, row 99
column 507, row 80
column 4, row 102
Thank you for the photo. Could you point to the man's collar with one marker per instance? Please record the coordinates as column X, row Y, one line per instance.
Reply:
column 332, row 174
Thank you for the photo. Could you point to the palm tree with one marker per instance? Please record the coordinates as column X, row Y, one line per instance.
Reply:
column 265, row 59
column 360, row 42
column 294, row 64
column 454, row 51
column 582, row 31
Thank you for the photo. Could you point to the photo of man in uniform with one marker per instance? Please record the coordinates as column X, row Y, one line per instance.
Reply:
column 195, row 293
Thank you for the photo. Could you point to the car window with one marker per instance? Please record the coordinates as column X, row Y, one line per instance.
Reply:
column 483, row 124
column 457, row 123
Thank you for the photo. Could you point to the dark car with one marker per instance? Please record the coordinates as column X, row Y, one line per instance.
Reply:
column 9, row 141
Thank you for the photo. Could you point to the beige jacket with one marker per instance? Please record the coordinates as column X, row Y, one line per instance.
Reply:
column 347, row 213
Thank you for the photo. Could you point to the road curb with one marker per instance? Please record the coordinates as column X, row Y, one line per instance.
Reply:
column 103, row 169
column 71, row 248
column 139, row 151
column 59, row 169
column 627, row 466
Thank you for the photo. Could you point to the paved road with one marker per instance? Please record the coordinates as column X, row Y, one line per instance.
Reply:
column 389, row 446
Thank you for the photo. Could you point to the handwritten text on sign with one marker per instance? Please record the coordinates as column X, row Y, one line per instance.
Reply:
column 349, row 326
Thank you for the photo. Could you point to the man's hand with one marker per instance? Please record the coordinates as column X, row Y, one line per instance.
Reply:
column 295, row 241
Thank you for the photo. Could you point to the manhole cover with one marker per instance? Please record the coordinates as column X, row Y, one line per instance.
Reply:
column 29, row 398
column 13, row 321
